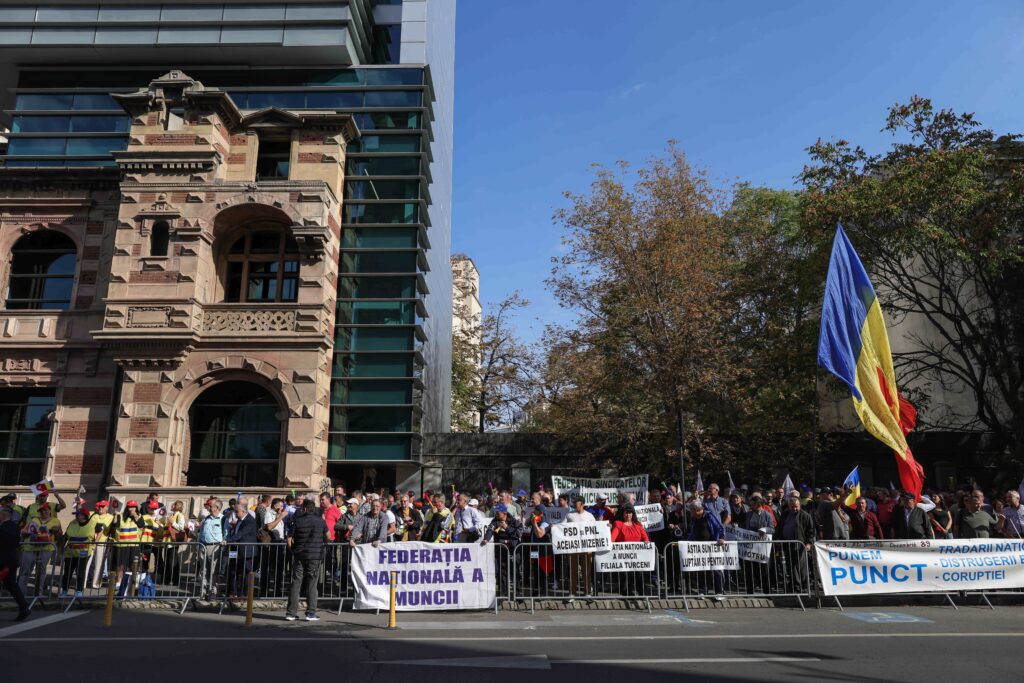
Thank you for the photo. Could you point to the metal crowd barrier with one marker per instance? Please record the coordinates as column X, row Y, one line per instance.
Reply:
column 785, row 572
column 542, row 575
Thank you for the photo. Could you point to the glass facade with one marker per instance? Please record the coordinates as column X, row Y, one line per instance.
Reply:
column 62, row 120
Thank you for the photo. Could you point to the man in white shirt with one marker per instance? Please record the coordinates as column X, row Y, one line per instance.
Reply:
column 468, row 521
column 580, row 561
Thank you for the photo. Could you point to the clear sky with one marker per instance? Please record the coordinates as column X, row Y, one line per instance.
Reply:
column 545, row 89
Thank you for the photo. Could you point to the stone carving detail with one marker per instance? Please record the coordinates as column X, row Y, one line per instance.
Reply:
column 148, row 316
column 249, row 321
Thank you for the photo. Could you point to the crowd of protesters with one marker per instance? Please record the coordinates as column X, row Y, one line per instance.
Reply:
column 283, row 541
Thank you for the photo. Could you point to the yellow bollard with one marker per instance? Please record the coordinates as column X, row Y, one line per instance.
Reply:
column 391, row 612
column 108, row 613
column 250, row 595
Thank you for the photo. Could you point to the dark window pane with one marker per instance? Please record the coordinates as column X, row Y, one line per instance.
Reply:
column 386, row 143
column 394, row 98
column 377, row 339
column 43, row 102
column 367, row 238
column 382, row 189
column 284, row 100
column 373, row 287
column 376, row 313
column 380, row 262
column 382, row 166
column 334, row 100
column 36, row 146
column 41, row 124
column 94, row 146
column 394, row 76
column 99, row 124
column 388, row 120
column 381, row 213
column 371, row 419
column 373, row 365
column 85, row 101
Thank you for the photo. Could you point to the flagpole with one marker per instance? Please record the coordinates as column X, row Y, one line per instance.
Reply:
column 682, row 453
column 814, row 434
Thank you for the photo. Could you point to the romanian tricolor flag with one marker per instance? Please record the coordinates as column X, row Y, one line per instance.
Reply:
column 852, row 484
column 854, row 346
column 44, row 487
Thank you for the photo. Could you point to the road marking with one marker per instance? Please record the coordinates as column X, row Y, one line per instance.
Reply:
column 36, row 623
column 512, row 662
column 683, row 619
column 887, row 618
column 503, row 639
column 543, row 662
column 690, row 660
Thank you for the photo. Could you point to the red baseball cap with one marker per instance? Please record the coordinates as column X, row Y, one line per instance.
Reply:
column 102, row 504
column 132, row 504
column 153, row 505
column 83, row 511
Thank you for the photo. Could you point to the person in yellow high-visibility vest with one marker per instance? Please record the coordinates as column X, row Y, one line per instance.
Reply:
column 152, row 533
column 37, row 548
column 101, row 539
column 126, row 532
column 79, row 535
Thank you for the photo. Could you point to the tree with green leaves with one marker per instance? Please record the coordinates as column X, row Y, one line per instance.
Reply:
column 938, row 221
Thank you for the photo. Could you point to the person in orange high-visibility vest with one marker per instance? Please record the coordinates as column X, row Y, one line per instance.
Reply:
column 79, row 535
column 126, row 532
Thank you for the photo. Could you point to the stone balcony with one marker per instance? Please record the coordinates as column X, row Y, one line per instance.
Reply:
column 192, row 324
column 32, row 328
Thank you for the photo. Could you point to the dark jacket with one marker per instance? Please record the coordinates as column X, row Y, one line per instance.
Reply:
column 509, row 537
column 804, row 527
column 864, row 528
column 10, row 537
column 918, row 526
column 245, row 532
column 308, row 534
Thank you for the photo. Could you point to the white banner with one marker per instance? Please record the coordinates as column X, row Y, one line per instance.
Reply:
column 580, row 537
column 754, row 548
column 911, row 566
column 700, row 556
column 590, row 488
column 627, row 557
column 651, row 516
column 428, row 576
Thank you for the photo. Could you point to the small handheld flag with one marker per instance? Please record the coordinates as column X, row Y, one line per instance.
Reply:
column 732, row 484
column 853, row 483
column 787, row 485
column 700, row 483
column 854, row 346
column 44, row 487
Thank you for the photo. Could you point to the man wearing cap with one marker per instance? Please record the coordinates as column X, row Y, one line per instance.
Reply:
column 910, row 521
column 127, row 534
column 468, row 521
column 77, row 551
column 10, row 501
column 102, row 521
column 600, row 510
column 43, row 499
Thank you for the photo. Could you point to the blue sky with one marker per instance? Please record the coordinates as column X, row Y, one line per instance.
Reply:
column 545, row 89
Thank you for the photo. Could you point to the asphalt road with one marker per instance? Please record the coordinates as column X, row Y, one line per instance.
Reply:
column 897, row 644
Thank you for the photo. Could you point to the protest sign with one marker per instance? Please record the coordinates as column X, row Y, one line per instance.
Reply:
column 700, row 556
column 553, row 515
column 589, row 489
column 627, row 557
column 912, row 566
column 651, row 516
column 428, row 576
column 754, row 547
column 580, row 537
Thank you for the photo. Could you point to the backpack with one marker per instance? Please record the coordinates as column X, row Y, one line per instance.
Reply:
column 146, row 588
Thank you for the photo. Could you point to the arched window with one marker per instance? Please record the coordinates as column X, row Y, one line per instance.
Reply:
column 263, row 266
column 42, row 272
column 236, row 436
column 159, row 238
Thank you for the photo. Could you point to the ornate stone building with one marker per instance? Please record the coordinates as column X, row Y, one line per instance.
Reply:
column 220, row 280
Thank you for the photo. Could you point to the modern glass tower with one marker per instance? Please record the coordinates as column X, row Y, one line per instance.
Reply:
column 376, row 74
